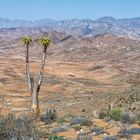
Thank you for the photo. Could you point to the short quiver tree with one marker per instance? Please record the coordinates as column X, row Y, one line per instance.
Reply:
column 35, row 88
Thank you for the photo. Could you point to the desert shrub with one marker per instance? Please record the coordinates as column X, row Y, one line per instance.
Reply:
column 127, row 118
column 123, row 129
column 56, row 138
column 115, row 114
column 49, row 116
column 17, row 128
column 102, row 115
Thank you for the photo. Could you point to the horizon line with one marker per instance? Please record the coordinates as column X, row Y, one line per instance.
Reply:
column 67, row 18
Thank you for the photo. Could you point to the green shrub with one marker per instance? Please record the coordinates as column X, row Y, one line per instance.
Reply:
column 115, row 114
column 56, row 138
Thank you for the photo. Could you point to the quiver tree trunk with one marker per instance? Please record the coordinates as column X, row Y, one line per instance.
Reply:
column 29, row 79
column 35, row 101
column 30, row 82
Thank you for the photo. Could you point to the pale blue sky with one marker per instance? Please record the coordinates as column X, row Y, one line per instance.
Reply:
column 67, row 9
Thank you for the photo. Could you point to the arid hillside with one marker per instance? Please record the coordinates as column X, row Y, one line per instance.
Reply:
column 90, row 90
column 80, row 73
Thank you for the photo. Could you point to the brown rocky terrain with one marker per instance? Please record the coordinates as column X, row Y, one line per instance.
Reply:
column 82, row 75
column 79, row 72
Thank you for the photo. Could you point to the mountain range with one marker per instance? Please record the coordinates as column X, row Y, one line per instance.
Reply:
column 78, row 27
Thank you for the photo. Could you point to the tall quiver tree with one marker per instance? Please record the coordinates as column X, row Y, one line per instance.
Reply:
column 27, row 40
column 35, row 89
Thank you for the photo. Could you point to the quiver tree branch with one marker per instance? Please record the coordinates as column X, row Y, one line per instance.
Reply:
column 27, row 41
column 45, row 43
column 41, row 69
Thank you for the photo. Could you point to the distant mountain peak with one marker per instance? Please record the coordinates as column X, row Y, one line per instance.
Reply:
column 82, row 27
column 106, row 19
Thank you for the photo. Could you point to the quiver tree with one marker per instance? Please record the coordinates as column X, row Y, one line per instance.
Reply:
column 35, row 88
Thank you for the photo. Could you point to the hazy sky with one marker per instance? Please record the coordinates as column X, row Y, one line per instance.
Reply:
column 67, row 9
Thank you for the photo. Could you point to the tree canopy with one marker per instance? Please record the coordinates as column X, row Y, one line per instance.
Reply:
column 45, row 41
column 27, row 40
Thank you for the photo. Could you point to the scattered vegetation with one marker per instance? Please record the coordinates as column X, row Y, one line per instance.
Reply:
column 17, row 128
column 115, row 114
column 49, row 116
column 127, row 118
